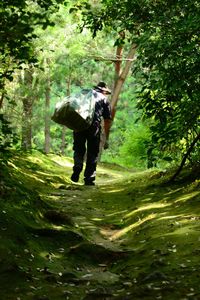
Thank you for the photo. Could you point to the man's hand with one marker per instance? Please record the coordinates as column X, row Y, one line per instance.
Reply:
column 106, row 145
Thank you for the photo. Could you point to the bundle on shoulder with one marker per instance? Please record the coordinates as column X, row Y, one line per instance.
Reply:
column 76, row 111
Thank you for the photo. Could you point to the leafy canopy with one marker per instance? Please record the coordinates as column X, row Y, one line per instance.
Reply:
column 18, row 20
column 168, row 60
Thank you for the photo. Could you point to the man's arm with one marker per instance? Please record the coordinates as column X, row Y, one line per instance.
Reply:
column 107, row 126
column 107, row 116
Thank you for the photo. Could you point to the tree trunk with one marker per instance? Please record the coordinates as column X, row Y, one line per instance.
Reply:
column 64, row 129
column 185, row 157
column 47, row 117
column 27, row 100
column 118, row 62
column 26, row 141
column 120, row 77
column 1, row 99
column 63, row 142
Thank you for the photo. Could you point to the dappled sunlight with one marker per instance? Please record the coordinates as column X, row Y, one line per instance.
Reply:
column 50, row 256
column 186, row 197
column 34, row 159
column 146, row 199
column 109, row 174
column 45, row 174
column 56, row 227
column 174, row 191
column 53, row 197
column 115, row 190
column 67, row 237
column 108, row 232
column 147, row 207
column 97, row 219
column 117, row 213
column 49, row 176
column 104, row 170
column 12, row 165
column 34, row 177
column 149, row 199
column 63, row 162
column 170, row 217
column 118, row 234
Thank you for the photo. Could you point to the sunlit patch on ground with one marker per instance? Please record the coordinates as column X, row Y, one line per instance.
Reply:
column 130, row 237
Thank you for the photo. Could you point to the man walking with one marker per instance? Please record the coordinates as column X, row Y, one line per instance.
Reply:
column 88, row 141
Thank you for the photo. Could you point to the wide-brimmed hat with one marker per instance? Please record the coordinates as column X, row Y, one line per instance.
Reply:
column 102, row 87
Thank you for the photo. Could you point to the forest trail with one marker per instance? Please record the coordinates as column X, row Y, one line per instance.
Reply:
column 132, row 236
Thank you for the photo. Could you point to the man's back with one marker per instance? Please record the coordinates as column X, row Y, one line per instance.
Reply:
column 102, row 108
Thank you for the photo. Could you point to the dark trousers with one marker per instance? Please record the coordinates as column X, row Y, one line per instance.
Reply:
column 86, row 143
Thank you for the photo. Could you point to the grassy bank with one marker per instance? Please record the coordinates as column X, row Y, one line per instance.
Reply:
column 133, row 236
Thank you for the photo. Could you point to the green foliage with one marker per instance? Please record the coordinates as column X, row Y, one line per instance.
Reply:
column 7, row 136
column 66, row 60
column 167, row 65
column 18, row 20
column 133, row 153
column 170, row 61
column 164, row 84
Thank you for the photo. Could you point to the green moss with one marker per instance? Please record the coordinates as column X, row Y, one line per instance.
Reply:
column 133, row 236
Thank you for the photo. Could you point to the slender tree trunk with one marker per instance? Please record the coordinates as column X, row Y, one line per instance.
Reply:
column 185, row 157
column 26, row 141
column 1, row 99
column 63, row 142
column 47, row 117
column 120, row 77
column 64, row 129
column 118, row 64
column 27, row 100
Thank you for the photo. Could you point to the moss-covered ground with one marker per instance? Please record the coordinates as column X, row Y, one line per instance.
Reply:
column 132, row 236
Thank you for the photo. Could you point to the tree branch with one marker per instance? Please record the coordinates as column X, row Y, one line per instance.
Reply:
column 185, row 157
column 123, row 76
column 111, row 59
column 1, row 99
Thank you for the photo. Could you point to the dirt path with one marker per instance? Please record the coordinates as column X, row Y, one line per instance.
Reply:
column 130, row 237
column 133, row 245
